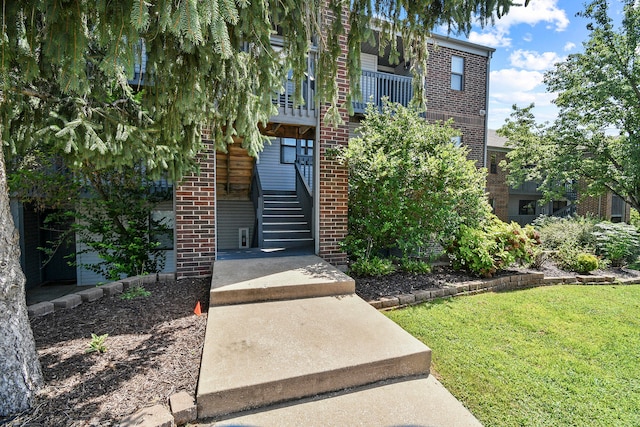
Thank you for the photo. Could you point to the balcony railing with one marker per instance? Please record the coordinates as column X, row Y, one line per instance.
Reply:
column 287, row 108
column 376, row 85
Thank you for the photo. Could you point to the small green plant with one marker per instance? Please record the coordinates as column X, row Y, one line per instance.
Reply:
column 415, row 266
column 372, row 267
column 585, row 263
column 573, row 259
column 134, row 292
column 97, row 344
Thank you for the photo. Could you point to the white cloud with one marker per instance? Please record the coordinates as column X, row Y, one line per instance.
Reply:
column 538, row 11
column 569, row 46
column 527, row 37
column 509, row 80
column 531, row 60
column 491, row 38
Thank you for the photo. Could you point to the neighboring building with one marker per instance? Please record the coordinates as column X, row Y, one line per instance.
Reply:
column 295, row 195
column 522, row 204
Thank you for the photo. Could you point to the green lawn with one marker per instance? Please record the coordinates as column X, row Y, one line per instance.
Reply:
column 550, row 356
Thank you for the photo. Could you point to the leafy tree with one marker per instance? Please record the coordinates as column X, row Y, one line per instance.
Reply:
column 409, row 185
column 63, row 81
column 598, row 92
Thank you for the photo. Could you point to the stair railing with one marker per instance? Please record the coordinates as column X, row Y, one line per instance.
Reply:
column 257, row 197
column 568, row 210
column 303, row 192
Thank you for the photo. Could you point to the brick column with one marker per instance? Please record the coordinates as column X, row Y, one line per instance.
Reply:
column 333, row 183
column 195, row 204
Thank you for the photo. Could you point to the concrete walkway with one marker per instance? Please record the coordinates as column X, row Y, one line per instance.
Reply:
column 288, row 343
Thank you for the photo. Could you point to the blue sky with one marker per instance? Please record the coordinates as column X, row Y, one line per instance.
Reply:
column 529, row 41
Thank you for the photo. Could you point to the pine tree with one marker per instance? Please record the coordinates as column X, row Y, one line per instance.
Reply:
column 64, row 68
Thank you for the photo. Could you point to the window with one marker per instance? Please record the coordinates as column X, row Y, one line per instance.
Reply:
column 526, row 207
column 306, row 147
column 617, row 208
column 457, row 140
column 457, row 72
column 493, row 166
column 287, row 150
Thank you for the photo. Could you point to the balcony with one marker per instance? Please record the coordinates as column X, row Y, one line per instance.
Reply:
column 290, row 113
column 376, row 85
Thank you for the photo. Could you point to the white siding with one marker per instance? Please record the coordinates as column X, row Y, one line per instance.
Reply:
column 273, row 174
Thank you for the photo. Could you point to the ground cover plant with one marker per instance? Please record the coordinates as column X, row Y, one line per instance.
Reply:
column 561, row 356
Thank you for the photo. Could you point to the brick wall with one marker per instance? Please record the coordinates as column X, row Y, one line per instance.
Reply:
column 333, row 184
column 497, row 185
column 195, row 218
column 463, row 106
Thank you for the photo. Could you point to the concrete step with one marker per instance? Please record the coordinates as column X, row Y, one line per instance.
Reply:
column 271, row 279
column 264, row 353
column 411, row 402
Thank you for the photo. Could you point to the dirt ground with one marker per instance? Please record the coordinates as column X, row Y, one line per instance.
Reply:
column 153, row 349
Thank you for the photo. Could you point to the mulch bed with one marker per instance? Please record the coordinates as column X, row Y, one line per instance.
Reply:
column 154, row 347
column 153, row 351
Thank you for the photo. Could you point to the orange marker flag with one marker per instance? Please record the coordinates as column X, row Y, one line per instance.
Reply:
column 197, row 310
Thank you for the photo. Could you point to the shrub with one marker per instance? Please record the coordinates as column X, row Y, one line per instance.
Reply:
column 619, row 243
column 574, row 231
column 571, row 258
column 371, row 267
column 585, row 263
column 483, row 251
column 409, row 185
column 472, row 250
column 415, row 266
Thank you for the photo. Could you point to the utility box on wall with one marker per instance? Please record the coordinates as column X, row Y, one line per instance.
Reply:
column 243, row 238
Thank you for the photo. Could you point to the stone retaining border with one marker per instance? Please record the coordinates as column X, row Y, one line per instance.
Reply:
column 503, row 283
column 94, row 293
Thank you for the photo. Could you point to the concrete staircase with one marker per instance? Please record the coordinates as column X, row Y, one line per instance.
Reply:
column 284, row 224
column 289, row 343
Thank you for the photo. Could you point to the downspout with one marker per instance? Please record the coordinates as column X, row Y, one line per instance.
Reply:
column 486, row 111
column 316, row 182
column 215, row 200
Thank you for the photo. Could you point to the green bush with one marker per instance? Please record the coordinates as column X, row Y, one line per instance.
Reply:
column 483, row 251
column 618, row 243
column 415, row 266
column 371, row 267
column 472, row 250
column 556, row 233
column 409, row 185
column 574, row 259
column 585, row 263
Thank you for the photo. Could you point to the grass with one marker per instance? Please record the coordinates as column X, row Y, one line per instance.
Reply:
column 550, row 356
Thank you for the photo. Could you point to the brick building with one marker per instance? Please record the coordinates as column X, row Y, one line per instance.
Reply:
column 523, row 205
column 294, row 197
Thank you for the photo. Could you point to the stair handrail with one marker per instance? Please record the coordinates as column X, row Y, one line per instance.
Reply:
column 568, row 210
column 303, row 193
column 257, row 197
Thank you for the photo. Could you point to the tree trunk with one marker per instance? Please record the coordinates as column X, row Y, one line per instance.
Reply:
column 20, row 374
